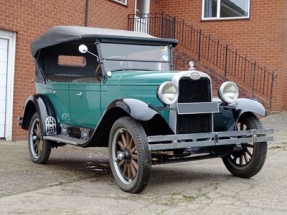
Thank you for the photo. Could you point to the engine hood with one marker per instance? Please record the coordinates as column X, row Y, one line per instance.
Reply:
column 140, row 85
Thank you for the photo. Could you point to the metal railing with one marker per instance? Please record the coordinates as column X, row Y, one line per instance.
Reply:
column 206, row 50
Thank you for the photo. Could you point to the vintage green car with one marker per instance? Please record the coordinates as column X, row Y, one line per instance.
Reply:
column 117, row 89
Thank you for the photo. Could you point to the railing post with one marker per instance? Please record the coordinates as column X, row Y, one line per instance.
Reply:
column 174, row 26
column 225, row 66
column 199, row 45
column 217, row 50
column 253, row 81
column 271, row 90
column 182, row 33
column 208, row 47
column 264, row 79
column 235, row 63
column 244, row 75
column 129, row 21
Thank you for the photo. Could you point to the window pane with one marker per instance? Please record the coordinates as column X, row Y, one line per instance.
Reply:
column 233, row 8
column 135, row 57
column 210, row 8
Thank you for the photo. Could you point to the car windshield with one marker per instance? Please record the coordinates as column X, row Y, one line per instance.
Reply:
column 135, row 57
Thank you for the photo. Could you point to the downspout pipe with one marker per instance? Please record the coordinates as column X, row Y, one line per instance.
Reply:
column 87, row 13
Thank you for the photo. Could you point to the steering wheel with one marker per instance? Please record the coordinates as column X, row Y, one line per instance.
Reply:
column 118, row 58
column 98, row 72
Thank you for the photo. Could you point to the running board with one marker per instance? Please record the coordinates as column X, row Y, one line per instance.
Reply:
column 65, row 139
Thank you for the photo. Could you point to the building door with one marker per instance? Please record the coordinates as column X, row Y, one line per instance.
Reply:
column 141, row 17
column 7, row 57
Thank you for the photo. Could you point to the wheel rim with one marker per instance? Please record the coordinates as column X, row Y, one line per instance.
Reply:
column 36, row 141
column 243, row 156
column 125, row 158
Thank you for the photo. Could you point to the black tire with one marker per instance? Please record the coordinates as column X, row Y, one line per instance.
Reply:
column 129, row 156
column 248, row 161
column 39, row 149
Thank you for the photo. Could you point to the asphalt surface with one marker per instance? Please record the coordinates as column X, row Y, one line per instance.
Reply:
column 79, row 181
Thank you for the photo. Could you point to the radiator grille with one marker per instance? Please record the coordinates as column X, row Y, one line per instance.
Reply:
column 194, row 123
column 194, row 91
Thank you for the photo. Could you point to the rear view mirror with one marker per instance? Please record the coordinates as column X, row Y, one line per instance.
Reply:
column 83, row 49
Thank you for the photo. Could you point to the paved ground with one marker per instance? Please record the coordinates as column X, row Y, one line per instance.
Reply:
column 79, row 181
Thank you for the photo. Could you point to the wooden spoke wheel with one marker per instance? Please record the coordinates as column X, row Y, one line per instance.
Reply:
column 39, row 149
column 247, row 159
column 129, row 155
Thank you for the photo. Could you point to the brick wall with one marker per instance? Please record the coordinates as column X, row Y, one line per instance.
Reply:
column 262, row 37
column 109, row 14
column 283, row 56
column 29, row 19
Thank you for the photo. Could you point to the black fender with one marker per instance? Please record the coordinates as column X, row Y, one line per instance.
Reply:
column 42, row 105
column 137, row 109
column 149, row 117
column 228, row 116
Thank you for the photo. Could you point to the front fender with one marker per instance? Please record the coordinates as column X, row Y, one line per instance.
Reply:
column 137, row 109
column 228, row 116
column 42, row 105
column 150, row 119
column 248, row 105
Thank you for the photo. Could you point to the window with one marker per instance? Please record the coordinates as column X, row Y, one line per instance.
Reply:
column 73, row 61
column 124, row 2
column 225, row 9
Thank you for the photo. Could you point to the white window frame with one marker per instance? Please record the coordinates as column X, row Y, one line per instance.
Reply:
column 123, row 2
column 218, row 13
column 11, row 37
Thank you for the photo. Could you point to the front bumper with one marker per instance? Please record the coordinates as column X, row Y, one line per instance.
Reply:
column 181, row 141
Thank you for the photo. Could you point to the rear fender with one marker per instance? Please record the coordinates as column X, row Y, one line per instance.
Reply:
column 43, row 106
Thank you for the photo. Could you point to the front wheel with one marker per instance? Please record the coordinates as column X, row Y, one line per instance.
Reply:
column 247, row 160
column 129, row 156
column 39, row 148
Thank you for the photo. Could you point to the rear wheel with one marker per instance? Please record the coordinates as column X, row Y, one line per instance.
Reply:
column 247, row 160
column 39, row 148
column 129, row 156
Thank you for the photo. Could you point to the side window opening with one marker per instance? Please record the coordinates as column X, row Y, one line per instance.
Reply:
column 64, row 63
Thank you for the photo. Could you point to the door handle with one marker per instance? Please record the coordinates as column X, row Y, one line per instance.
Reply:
column 79, row 94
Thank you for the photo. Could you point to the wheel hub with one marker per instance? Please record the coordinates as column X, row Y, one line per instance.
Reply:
column 35, row 137
column 124, row 155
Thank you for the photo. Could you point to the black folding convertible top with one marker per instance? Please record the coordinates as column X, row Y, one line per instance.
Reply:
column 62, row 34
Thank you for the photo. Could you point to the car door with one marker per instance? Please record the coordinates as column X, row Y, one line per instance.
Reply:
column 58, row 92
column 85, row 103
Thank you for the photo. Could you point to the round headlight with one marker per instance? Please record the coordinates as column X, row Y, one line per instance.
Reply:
column 167, row 93
column 228, row 92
